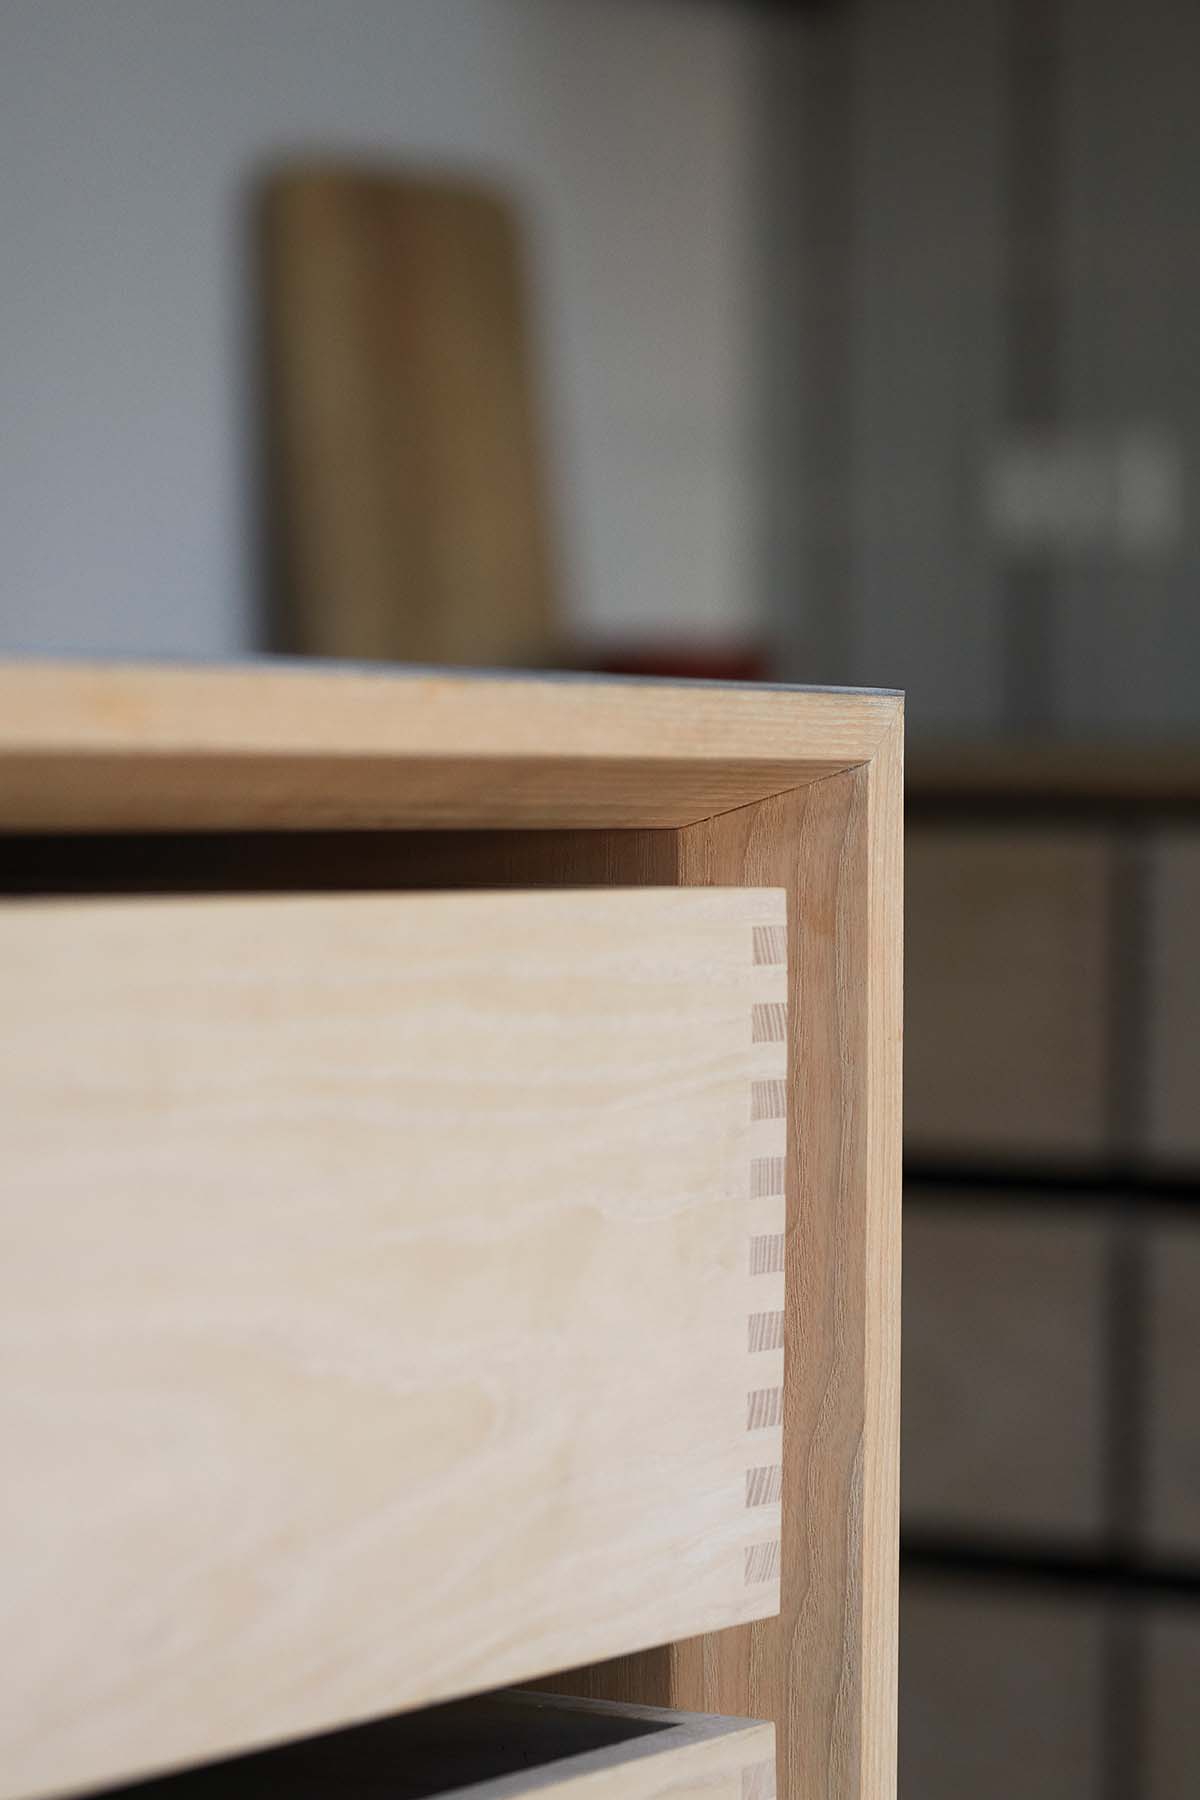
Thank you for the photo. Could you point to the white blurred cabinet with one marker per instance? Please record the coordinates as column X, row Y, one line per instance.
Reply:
column 400, row 1283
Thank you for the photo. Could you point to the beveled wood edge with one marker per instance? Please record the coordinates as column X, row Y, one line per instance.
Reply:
column 825, row 1669
column 288, row 746
column 868, row 764
column 883, row 1083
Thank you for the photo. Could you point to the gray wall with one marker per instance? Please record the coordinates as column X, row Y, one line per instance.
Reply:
column 130, row 132
column 1128, row 626
column 961, row 300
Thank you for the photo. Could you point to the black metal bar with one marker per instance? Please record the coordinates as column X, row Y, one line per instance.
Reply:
column 1048, row 1564
column 1104, row 1189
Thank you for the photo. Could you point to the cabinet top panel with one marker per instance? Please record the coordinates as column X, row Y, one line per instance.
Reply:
column 286, row 745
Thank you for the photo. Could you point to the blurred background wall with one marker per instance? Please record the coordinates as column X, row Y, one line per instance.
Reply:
column 865, row 324
column 132, row 134
column 992, row 418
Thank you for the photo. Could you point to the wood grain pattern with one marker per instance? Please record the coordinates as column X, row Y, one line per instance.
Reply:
column 409, row 514
column 293, row 747
column 764, row 1255
column 374, row 1305
column 825, row 1669
column 795, row 789
column 503, row 1747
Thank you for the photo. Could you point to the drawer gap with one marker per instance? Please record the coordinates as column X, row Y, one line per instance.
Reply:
column 506, row 1744
column 333, row 861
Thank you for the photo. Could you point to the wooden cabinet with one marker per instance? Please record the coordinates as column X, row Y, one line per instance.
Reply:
column 417, row 1279
column 1004, row 1371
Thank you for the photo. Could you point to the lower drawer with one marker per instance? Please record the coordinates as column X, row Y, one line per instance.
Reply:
column 501, row 1747
column 390, row 1304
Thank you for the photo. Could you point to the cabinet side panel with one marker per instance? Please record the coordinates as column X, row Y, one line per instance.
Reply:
column 825, row 1669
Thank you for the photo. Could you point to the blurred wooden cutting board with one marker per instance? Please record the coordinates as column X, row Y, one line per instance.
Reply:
column 408, row 518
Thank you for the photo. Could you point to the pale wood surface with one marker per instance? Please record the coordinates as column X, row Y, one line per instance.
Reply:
column 501, row 1747
column 288, row 746
column 388, row 1304
column 825, row 1669
column 1009, row 936
column 409, row 518
column 872, row 1190
column 1006, row 1370
column 808, row 786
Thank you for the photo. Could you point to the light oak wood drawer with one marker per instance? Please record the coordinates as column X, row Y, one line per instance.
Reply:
column 1007, row 994
column 391, row 1303
column 1004, row 1370
column 502, row 1747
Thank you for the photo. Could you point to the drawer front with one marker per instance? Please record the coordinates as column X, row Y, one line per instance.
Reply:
column 1004, row 1372
column 1174, row 1000
column 391, row 1303
column 1007, row 994
column 503, row 1747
